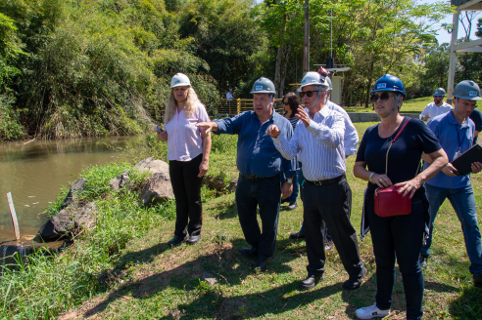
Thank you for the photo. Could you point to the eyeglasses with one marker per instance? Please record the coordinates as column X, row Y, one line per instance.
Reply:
column 437, row 97
column 383, row 97
column 285, row 103
column 308, row 93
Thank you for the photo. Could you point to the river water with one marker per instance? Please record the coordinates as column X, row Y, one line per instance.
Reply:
column 34, row 173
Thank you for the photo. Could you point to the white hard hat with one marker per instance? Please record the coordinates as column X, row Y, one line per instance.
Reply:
column 313, row 78
column 328, row 83
column 180, row 79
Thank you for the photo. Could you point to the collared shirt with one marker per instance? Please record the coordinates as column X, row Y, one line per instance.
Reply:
column 319, row 146
column 184, row 141
column 351, row 136
column 454, row 138
column 432, row 110
column 256, row 153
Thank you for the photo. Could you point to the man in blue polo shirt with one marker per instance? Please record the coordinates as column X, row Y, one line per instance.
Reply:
column 259, row 164
column 455, row 132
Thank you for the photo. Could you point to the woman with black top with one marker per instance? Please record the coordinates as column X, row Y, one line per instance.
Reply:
column 291, row 103
column 397, row 237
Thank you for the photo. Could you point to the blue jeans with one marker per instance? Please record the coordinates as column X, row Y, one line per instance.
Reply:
column 267, row 194
column 296, row 186
column 398, row 239
column 463, row 202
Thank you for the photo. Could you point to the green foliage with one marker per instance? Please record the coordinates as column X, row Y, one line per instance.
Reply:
column 10, row 128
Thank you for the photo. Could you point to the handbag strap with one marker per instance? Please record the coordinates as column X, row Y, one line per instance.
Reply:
column 392, row 142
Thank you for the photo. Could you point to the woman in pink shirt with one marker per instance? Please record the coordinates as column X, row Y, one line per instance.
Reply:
column 188, row 154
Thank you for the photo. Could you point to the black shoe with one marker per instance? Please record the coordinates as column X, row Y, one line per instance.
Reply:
column 478, row 281
column 260, row 265
column 250, row 253
column 177, row 240
column 298, row 235
column 354, row 283
column 311, row 281
column 292, row 206
column 328, row 245
column 194, row 239
column 423, row 261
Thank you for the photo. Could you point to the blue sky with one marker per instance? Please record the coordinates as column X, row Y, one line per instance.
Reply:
column 444, row 36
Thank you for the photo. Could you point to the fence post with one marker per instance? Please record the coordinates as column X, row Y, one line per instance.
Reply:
column 238, row 106
column 14, row 215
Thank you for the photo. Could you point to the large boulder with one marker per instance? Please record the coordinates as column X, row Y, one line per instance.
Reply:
column 120, row 181
column 69, row 221
column 157, row 190
column 152, row 165
column 74, row 192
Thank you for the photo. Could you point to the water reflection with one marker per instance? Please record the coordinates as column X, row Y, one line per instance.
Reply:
column 35, row 172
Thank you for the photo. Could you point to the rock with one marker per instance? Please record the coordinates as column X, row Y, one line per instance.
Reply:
column 157, row 190
column 209, row 278
column 120, row 181
column 152, row 165
column 74, row 192
column 69, row 221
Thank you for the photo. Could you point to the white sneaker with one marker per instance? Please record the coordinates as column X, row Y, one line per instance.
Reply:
column 371, row 312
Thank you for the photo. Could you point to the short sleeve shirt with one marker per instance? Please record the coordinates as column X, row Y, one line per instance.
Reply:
column 184, row 141
column 404, row 155
column 455, row 138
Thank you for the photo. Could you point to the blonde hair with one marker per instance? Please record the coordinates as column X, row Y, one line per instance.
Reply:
column 191, row 104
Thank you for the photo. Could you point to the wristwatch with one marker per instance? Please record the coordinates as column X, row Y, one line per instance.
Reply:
column 289, row 180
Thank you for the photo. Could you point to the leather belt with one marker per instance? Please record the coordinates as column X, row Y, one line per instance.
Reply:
column 256, row 177
column 328, row 181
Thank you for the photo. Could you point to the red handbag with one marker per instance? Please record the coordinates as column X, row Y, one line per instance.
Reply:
column 388, row 202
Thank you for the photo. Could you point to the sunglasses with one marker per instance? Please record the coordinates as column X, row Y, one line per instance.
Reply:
column 308, row 93
column 285, row 103
column 383, row 97
column 437, row 97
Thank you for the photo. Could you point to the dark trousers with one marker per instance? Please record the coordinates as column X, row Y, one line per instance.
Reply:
column 398, row 238
column 330, row 205
column 187, row 190
column 265, row 193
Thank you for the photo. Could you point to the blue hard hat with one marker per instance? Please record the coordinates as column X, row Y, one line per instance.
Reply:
column 389, row 83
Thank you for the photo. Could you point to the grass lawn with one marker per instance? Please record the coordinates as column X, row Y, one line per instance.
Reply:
column 164, row 283
column 411, row 105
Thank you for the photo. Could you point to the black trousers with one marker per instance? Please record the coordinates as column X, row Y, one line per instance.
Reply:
column 187, row 190
column 330, row 205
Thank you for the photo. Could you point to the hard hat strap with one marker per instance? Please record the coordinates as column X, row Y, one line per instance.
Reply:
column 317, row 97
column 393, row 109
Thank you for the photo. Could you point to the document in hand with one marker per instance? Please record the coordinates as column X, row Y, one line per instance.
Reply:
column 462, row 163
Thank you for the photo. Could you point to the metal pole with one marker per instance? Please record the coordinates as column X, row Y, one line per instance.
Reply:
column 453, row 58
column 14, row 215
column 306, row 53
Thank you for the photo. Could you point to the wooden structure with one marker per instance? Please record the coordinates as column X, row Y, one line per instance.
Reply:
column 469, row 46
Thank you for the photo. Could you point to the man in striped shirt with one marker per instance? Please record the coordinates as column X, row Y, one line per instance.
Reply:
column 318, row 142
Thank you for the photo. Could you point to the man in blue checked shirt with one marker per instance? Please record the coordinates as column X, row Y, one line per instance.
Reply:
column 259, row 164
column 327, row 195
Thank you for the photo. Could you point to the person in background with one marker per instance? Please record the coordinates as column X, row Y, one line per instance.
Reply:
column 260, row 166
column 350, row 141
column 476, row 117
column 188, row 151
column 438, row 106
column 455, row 131
column 318, row 143
column 396, row 238
column 291, row 103
column 229, row 97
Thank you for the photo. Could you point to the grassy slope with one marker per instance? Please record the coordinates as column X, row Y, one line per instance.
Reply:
column 412, row 105
column 164, row 282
